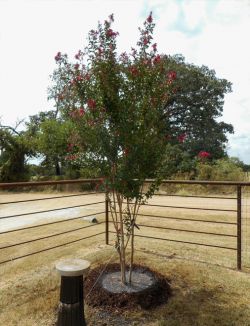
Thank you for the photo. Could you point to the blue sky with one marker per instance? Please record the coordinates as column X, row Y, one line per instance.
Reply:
column 212, row 32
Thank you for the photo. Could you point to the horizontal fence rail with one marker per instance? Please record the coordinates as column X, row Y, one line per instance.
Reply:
column 50, row 210
column 192, row 231
column 235, row 220
column 229, row 219
column 50, row 248
column 186, row 219
column 50, row 223
column 5, row 246
column 48, row 198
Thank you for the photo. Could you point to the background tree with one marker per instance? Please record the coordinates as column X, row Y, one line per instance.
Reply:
column 14, row 151
column 195, row 107
column 50, row 135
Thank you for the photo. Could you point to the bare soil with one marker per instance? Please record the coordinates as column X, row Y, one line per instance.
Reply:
column 115, row 297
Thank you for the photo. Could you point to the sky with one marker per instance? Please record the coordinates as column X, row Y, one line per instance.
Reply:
column 213, row 33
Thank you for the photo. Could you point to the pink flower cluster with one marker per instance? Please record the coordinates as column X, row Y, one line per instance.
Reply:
column 150, row 18
column 134, row 71
column 145, row 40
column 58, row 56
column 157, row 59
column 71, row 157
column 77, row 113
column 154, row 46
column 171, row 75
column 78, row 55
column 80, row 78
column 91, row 103
column 204, row 154
column 181, row 138
column 111, row 33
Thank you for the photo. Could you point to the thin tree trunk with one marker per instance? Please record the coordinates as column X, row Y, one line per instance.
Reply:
column 131, row 256
column 122, row 244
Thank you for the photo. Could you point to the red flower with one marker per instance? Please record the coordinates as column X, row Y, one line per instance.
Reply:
column 100, row 51
column 79, row 78
column 81, row 112
column 58, row 56
column 111, row 33
column 76, row 66
column 147, row 62
column 134, row 71
column 91, row 103
column 70, row 147
column 125, row 151
column 87, row 76
column 171, row 75
column 145, row 41
column 157, row 59
column 181, row 138
column 150, row 19
column 78, row 55
column 204, row 154
column 71, row 157
column 154, row 46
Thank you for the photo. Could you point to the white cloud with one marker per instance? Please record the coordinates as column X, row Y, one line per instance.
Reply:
column 221, row 44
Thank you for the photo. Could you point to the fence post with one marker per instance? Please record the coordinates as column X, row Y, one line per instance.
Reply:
column 106, row 219
column 239, row 242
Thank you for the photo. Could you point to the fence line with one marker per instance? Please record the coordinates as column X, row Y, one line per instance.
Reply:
column 237, row 222
column 67, row 231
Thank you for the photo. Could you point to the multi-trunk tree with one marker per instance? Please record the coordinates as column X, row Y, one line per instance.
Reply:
column 118, row 104
column 128, row 110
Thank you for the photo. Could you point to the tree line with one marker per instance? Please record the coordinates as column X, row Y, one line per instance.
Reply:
column 195, row 137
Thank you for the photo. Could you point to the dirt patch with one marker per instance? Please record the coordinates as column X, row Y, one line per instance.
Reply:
column 149, row 297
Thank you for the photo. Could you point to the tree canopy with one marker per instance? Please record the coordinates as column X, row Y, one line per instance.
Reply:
column 195, row 109
column 14, row 149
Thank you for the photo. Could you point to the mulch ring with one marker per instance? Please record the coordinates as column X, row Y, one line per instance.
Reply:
column 97, row 296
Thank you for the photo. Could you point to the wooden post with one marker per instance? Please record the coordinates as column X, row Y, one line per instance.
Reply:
column 106, row 219
column 71, row 306
column 239, row 242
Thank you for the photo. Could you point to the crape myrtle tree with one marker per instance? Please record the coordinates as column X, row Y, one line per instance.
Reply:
column 118, row 105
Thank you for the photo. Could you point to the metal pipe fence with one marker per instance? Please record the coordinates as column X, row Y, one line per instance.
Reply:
column 233, row 224
column 54, row 235
column 236, row 222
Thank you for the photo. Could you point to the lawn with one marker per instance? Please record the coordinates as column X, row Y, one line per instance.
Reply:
column 207, row 289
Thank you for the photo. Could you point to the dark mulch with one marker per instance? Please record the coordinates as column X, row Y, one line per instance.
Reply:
column 158, row 293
